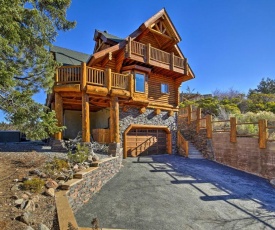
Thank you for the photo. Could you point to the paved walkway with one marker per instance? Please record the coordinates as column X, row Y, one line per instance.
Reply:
column 171, row 192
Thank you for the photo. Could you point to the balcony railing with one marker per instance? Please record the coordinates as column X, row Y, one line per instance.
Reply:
column 69, row 74
column 151, row 54
column 95, row 76
column 73, row 75
column 120, row 80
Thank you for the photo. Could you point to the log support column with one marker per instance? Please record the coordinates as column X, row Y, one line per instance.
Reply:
column 58, row 107
column 85, row 117
column 114, row 120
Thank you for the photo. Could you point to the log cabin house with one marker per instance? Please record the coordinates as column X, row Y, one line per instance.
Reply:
column 127, row 91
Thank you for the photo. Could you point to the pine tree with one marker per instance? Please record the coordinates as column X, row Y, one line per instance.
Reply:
column 27, row 30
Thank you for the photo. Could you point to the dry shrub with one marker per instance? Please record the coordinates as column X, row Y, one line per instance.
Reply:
column 34, row 185
column 29, row 160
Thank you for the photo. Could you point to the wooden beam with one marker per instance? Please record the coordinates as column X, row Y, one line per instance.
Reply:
column 198, row 119
column 108, row 77
column 172, row 61
column 59, row 114
column 157, row 111
column 129, row 45
column 262, row 134
column 131, row 85
column 83, row 76
column 209, row 128
column 85, row 117
column 161, row 34
column 233, row 129
column 142, row 110
column 108, row 57
column 148, row 53
column 189, row 113
column 114, row 120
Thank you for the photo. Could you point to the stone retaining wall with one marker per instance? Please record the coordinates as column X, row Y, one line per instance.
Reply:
column 245, row 154
column 81, row 192
column 133, row 116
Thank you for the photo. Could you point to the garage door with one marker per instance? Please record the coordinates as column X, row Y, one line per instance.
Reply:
column 141, row 142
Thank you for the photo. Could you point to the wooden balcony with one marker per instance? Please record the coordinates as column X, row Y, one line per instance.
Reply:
column 147, row 54
column 93, row 81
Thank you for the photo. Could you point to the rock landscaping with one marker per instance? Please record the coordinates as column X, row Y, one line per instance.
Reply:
column 31, row 176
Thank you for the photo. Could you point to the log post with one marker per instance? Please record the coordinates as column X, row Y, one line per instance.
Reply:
column 262, row 133
column 148, row 53
column 209, row 128
column 83, row 76
column 56, row 76
column 189, row 113
column 233, row 129
column 131, row 85
column 198, row 119
column 172, row 61
column 114, row 120
column 108, row 77
column 129, row 47
column 185, row 66
column 59, row 114
column 85, row 117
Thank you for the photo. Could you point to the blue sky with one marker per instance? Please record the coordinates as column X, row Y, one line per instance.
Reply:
column 228, row 43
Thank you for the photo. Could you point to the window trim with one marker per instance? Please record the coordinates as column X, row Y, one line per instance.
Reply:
column 168, row 92
column 144, row 74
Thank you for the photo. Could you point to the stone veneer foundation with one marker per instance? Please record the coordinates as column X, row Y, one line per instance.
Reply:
column 81, row 191
column 133, row 116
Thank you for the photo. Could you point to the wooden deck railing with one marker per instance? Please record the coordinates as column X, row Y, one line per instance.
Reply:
column 70, row 74
column 178, row 62
column 160, row 56
column 73, row 75
column 95, row 76
column 120, row 80
column 182, row 145
column 264, row 130
column 138, row 48
column 157, row 55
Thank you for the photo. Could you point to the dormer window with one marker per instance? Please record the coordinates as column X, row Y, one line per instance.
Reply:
column 164, row 88
column 140, row 82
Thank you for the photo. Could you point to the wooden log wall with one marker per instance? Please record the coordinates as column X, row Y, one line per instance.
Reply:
column 155, row 95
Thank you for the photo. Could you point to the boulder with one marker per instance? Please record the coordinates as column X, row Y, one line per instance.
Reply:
column 42, row 227
column 51, row 184
column 50, row 192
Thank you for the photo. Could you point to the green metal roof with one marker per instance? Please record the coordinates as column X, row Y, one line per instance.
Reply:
column 68, row 57
column 110, row 36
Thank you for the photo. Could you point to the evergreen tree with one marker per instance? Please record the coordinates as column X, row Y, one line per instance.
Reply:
column 27, row 30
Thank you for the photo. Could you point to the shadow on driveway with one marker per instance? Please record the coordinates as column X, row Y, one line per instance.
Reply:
column 172, row 192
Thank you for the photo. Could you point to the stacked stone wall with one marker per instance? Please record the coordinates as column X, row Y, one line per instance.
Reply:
column 91, row 182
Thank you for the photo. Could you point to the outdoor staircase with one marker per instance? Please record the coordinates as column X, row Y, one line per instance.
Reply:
column 193, row 152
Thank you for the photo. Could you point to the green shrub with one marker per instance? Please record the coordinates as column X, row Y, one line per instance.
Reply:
column 80, row 155
column 34, row 185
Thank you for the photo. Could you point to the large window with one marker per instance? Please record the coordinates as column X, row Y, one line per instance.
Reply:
column 164, row 88
column 140, row 82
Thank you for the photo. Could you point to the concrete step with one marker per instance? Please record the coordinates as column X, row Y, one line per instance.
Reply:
column 194, row 153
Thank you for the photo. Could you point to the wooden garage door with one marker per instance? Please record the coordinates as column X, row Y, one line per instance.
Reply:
column 141, row 142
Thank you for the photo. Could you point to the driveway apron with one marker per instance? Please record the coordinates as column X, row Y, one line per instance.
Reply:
column 174, row 193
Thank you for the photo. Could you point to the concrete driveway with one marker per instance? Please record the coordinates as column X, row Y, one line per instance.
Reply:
column 174, row 193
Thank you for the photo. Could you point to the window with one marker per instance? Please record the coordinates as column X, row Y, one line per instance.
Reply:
column 140, row 82
column 164, row 88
